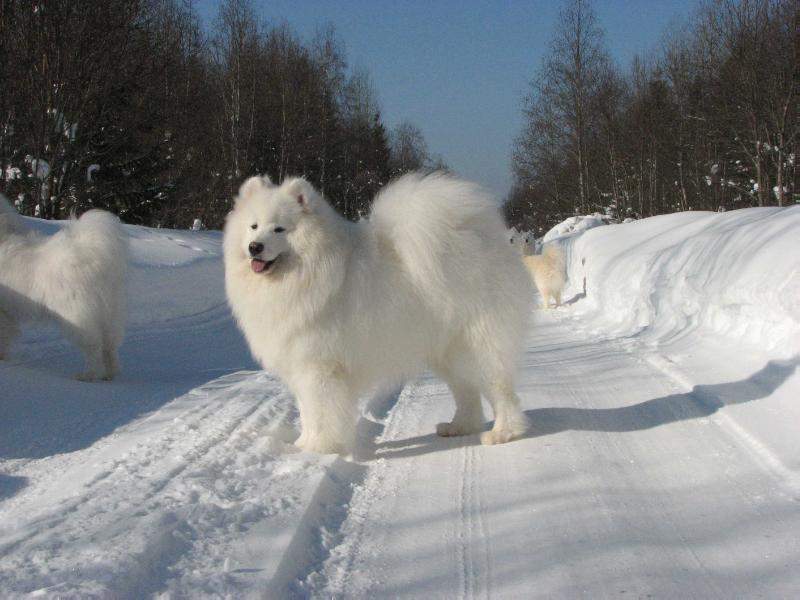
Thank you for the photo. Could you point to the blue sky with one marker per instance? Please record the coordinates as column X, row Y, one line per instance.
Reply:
column 459, row 69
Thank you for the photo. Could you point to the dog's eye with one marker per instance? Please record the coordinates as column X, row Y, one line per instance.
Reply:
column 279, row 230
column 254, row 226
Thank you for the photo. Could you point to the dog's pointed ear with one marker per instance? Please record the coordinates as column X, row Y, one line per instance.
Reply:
column 303, row 193
column 252, row 186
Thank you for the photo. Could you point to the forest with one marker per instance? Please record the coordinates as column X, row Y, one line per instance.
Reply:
column 135, row 107
column 706, row 121
column 138, row 107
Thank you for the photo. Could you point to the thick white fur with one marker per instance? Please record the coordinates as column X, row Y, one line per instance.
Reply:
column 427, row 281
column 547, row 271
column 77, row 277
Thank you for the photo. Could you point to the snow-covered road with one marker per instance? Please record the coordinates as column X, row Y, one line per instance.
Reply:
column 668, row 470
column 629, row 484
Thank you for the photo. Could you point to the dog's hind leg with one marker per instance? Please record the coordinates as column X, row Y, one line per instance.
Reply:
column 90, row 343
column 95, row 362
column 110, row 355
column 110, row 361
column 545, row 293
column 9, row 329
column 493, row 351
column 469, row 412
column 509, row 420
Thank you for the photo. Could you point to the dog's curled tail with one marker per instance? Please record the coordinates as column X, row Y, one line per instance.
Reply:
column 102, row 233
column 436, row 225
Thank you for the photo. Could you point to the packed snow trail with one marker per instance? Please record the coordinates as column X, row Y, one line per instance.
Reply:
column 629, row 484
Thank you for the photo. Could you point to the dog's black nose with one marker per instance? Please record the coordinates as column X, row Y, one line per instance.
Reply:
column 255, row 248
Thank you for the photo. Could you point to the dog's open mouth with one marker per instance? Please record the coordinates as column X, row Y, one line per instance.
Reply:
column 263, row 266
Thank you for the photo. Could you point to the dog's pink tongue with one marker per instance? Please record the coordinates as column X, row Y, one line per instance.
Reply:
column 257, row 265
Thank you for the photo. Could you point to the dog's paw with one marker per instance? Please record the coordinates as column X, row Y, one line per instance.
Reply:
column 454, row 429
column 92, row 377
column 490, row 438
column 501, row 436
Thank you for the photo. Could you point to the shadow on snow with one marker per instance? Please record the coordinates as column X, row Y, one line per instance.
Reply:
column 700, row 402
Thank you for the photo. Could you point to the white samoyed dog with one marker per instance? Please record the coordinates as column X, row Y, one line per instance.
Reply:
column 335, row 308
column 547, row 271
column 77, row 278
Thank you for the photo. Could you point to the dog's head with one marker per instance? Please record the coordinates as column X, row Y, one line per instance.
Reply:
column 266, row 223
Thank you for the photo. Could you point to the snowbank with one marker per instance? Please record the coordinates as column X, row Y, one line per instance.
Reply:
column 736, row 274
column 576, row 224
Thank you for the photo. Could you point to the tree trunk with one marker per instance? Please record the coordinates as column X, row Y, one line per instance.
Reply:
column 682, row 182
column 761, row 177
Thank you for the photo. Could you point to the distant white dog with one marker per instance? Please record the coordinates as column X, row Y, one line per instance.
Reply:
column 547, row 271
column 77, row 278
column 336, row 307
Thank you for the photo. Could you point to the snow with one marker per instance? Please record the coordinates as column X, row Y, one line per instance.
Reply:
column 663, row 458
column 735, row 273
column 90, row 171
column 39, row 166
column 576, row 224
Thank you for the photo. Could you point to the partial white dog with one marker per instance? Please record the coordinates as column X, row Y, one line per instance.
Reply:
column 547, row 271
column 77, row 278
column 336, row 307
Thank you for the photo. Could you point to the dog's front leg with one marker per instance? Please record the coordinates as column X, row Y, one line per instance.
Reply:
column 327, row 411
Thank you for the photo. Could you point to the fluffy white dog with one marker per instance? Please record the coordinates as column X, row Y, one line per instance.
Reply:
column 336, row 307
column 77, row 277
column 547, row 271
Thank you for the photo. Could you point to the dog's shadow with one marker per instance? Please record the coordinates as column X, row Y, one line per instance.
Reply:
column 702, row 401
column 45, row 411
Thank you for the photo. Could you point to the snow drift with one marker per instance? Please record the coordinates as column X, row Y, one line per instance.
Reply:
column 736, row 274
column 577, row 224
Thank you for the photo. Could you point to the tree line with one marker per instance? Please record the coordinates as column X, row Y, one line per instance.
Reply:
column 135, row 107
column 707, row 122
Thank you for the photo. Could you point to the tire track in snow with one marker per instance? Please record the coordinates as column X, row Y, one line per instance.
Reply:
column 473, row 549
column 142, row 493
column 336, row 575
column 116, row 458
column 463, row 530
column 390, row 466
